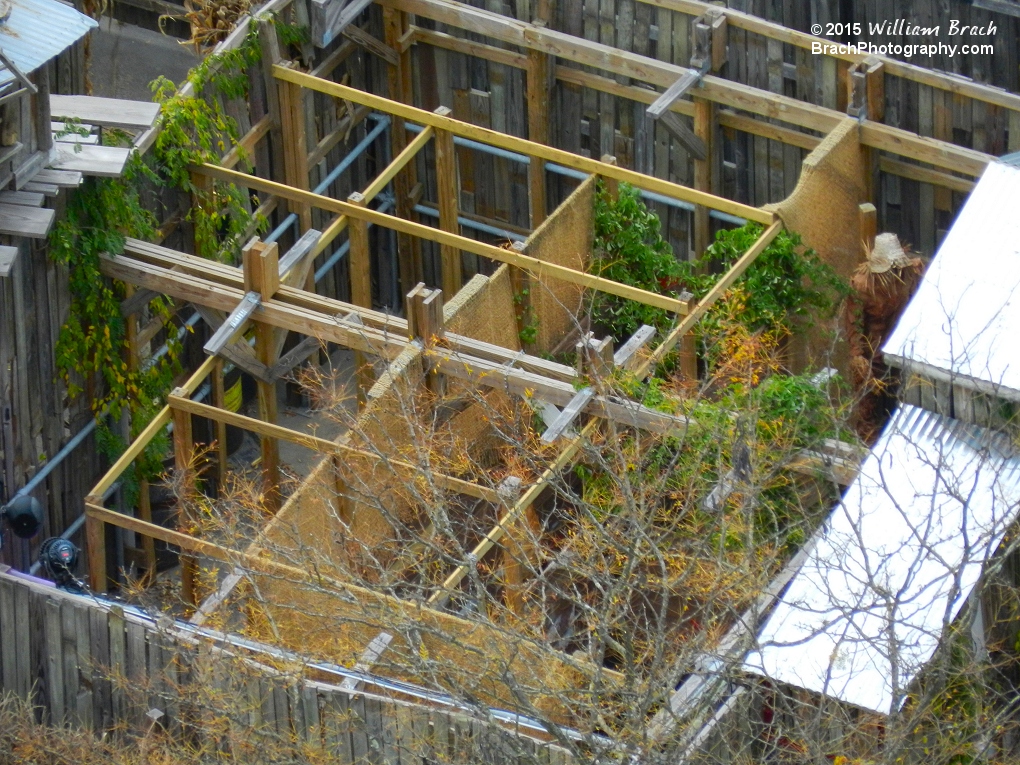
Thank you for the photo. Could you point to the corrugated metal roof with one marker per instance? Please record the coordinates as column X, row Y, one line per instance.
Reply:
column 965, row 316
column 38, row 30
column 898, row 560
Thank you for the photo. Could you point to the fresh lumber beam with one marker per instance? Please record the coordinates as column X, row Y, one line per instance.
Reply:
column 534, row 265
column 142, row 440
column 108, row 112
column 442, row 594
column 521, row 145
column 324, row 446
column 621, row 358
column 101, row 161
column 246, row 145
column 368, row 659
column 256, row 559
column 924, row 175
column 717, row 291
column 409, row 152
column 315, row 323
column 717, row 89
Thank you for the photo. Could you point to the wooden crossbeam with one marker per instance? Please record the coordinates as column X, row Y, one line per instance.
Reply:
column 523, row 146
column 386, row 343
column 324, row 446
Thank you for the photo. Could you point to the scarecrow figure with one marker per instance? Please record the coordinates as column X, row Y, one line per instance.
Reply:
column 880, row 289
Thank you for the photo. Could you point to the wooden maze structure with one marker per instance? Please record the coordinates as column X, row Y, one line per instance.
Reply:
column 269, row 292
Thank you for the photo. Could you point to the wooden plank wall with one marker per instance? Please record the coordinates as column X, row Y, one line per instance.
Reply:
column 89, row 664
column 750, row 168
column 34, row 303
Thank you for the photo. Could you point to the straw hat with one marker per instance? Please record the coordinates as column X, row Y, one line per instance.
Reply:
column 887, row 253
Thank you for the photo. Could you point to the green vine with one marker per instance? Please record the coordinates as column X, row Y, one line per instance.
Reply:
column 92, row 351
column 92, row 348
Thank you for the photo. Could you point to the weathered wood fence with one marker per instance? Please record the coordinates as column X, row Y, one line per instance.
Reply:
column 91, row 664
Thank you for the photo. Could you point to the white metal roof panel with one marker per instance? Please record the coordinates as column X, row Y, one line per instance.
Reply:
column 898, row 559
column 966, row 314
column 38, row 30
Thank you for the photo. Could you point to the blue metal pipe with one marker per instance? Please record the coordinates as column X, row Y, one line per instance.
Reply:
column 344, row 248
column 473, row 224
column 572, row 173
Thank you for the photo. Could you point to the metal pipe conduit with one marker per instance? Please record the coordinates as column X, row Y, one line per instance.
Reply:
column 571, row 173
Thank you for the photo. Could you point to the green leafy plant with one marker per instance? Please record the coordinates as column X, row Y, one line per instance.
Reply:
column 629, row 248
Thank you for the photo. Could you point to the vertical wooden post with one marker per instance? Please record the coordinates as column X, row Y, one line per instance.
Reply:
column 148, row 544
column 41, row 108
column 262, row 274
column 538, row 130
column 448, row 190
column 425, row 323
column 95, row 547
column 270, row 45
column 704, row 128
column 360, row 269
column 612, row 185
column 219, row 401
column 184, row 458
column 343, row 505
column 520, row 281
column 295, row 155
column 865, row 88
column 868, row 217
column 402, row 90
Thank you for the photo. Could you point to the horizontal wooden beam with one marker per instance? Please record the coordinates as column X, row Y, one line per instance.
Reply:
column 499, row 374
column 663, row 74
column 324, row 446
column 523, row 146
column 399, row 163
column 940, row 80
column 528, row 263
column 925, row 175
column 470, row 48
column 230, row 276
